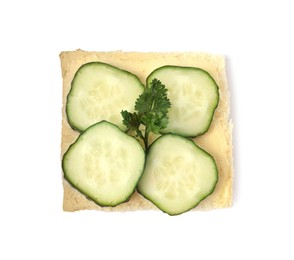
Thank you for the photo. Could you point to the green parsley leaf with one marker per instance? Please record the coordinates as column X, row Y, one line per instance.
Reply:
column 153, row 99
column 152, row 111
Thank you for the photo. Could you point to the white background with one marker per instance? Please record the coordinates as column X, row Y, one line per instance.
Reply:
column 257, row 39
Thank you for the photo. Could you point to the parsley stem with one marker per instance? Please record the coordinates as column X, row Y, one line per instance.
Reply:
column 146, row 140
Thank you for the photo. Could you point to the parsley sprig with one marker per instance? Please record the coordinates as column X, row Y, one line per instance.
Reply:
column 151, row 111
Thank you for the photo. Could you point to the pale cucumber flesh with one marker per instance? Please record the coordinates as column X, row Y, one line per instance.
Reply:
column 194, row 96
column 99, row 92
column 105, row 164
column 178, row 174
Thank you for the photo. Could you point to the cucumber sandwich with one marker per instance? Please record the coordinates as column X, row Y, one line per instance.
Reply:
column 132, row 137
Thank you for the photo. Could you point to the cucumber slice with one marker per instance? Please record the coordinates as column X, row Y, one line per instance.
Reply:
column 99, row 92
column 105, row 164
column 178, row 174
column 194, row 96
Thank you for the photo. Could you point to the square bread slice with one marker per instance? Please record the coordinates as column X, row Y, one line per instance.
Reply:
column 217, row 141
